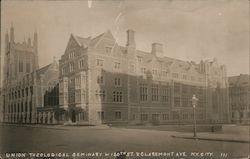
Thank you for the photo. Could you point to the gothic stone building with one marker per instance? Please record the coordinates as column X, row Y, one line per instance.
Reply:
column 239, row 98
column 28, row 92
column 103, row 82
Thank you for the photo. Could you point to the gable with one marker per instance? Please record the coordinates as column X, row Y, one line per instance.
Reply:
column 72, row 44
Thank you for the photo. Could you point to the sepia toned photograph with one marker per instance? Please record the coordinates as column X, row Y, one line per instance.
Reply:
column 124, row 79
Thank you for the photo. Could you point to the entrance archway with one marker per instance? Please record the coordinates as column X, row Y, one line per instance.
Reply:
column 73, row 116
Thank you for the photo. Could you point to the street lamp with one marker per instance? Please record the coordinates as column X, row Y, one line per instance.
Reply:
column 194, row 103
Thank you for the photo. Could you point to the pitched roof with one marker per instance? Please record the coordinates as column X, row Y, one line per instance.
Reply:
column 43, row 69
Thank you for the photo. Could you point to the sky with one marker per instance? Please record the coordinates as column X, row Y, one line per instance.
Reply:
column 191, row 30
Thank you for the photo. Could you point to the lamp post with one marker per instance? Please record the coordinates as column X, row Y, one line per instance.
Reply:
column 194, row 103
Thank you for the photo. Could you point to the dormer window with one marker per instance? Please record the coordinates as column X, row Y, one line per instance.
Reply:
column 108, row 50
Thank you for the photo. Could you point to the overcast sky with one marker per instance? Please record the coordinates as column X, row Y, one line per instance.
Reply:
column 189, row 30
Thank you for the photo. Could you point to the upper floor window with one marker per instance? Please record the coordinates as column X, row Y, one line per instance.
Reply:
column 117, row 82
column 71, row 67
column 155, row 93
column 20, row 66
column 100, row 80
column 175, row 75
column 154, row 72
column 117, row 96
column 192, row 78
column 139, row 58
column 71, row 54
column 64, row 70
column 117, row 65
column 132, row 67
column 81, row 63
column 143, row 92
column 27, row 67
column 108, row 50
column 143, row 70
column 99, row 62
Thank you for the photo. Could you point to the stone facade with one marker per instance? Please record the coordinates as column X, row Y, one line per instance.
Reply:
column 25, row 86
column 239, row 98
column 103, row 82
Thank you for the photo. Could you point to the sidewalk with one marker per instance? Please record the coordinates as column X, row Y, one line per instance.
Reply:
column 226, row 137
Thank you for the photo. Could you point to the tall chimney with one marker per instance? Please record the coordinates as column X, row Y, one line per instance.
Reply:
column 157, row 49
column 130, row 38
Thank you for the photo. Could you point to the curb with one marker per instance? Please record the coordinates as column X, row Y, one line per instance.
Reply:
column 211, row 139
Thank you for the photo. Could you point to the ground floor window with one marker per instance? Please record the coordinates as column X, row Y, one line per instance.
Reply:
column 101, row 115
column 144, row 117
column 165, row 117
column 118, row 115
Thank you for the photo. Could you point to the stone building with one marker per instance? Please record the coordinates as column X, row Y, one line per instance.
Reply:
column 103, row 82
column 25, row 86
column 239, row 98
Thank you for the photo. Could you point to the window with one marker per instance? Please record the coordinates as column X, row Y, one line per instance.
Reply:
column 64, row 70
column 165, row 73
column 26, row 91
column 27, row 67
column 72, row 55
column 71, row 67
column 155, row 116
column 155, row 93
column 31, row 90
column 99, row 62
column 118, row 115
column 143, row 92
column 165, row 117
column 139, row 58
column 165, row 94
column 132, row 67
column 192, row 78
column 154, row 72
column 143, row 70
column 176, row 101
column 100, row 95
column 117, row 82
column 144, row 117
column 117, row 65
column 175, row 75
column 100, row 80
column 78, row 96
column 117, row 96
column 108, row 50
column 100, row 115
column 20, row 66
column 78, row 82
column 81, row 63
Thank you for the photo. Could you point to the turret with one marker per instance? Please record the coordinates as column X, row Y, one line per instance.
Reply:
column 6, row 42
column 12, row 39
column 35, row 43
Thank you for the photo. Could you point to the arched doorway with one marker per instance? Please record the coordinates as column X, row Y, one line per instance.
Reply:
column 73, row 116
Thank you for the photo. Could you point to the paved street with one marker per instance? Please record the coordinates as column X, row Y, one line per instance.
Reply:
column 102, row 139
